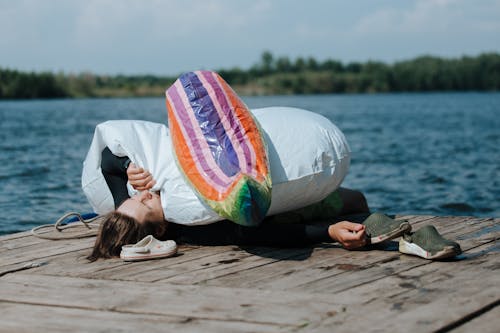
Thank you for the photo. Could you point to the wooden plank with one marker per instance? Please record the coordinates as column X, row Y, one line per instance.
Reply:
column 43, row 250
column 483, row 258
column 369, row 271
column 465, row 225
column 188, row 260
column 16, row 244
column 60, row 319
column 207, row 302
column 324, row 265
column 488, row 322
column 16, row 235
column 287, row 274
column 223, row 267
column 330, row 288
column 448, row 223
column 75, row 264
column 26, row 241
column 415, row 219
column 423, row 299
column 192, row 261
column 219, row 266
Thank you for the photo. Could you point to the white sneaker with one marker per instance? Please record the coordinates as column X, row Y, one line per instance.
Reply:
column 148, row 248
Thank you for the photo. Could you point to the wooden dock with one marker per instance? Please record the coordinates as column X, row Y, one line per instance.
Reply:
column 230, row 289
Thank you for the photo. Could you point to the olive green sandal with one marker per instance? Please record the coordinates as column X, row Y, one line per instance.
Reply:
column 428, row 244
column 380, row 228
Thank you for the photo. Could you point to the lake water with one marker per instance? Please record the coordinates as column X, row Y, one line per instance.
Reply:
column 433, row 154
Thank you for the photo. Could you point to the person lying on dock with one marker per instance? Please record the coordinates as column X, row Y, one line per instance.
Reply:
column 141, row 214
column 138, row 216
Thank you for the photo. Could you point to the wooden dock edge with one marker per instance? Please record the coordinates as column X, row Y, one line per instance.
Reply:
column 49, row 286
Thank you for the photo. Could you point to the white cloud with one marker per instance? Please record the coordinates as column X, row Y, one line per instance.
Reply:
column 438, row 27
column 163, row 19
column 433, row 16
column 424, row 16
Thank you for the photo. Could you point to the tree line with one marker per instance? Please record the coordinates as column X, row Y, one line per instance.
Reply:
column 277, row 75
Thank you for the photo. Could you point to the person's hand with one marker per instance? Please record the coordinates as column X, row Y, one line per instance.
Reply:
column 350, row 235
column 140, row 179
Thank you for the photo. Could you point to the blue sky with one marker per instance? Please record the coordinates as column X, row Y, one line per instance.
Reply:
column 171, row 36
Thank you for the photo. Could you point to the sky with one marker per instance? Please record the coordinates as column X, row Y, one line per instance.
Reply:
column 168, row 37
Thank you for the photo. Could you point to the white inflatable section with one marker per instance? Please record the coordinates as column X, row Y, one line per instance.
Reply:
column 308, row 155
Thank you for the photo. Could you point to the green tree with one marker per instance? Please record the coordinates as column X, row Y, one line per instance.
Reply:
column 283, row 65
column 267, row 61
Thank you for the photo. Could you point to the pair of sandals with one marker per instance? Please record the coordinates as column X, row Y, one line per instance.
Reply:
column 425, row 242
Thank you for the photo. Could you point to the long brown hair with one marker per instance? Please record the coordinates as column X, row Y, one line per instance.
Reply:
column 119, row 229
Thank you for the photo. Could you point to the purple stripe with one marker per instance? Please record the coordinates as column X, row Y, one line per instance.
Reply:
column 182, row 114
column 210, row 124
column 226, row 109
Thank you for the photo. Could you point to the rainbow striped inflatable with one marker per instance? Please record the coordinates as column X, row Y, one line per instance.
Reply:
column 219, row 147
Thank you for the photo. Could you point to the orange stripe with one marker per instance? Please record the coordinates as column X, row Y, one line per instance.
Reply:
column 250, row 128
column 184, row 156
column 186, row 162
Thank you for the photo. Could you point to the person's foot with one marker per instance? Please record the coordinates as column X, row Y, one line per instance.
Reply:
column 380, row 228
column 429, row 244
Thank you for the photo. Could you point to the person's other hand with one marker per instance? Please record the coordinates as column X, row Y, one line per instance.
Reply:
column 350, row 235
column 140, row 179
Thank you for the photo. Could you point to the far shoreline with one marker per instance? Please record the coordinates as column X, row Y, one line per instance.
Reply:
column 388, row 93
column 277, row 76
